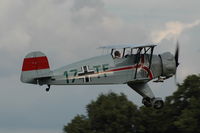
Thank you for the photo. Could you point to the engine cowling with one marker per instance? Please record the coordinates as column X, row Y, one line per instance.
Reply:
column 168, row 64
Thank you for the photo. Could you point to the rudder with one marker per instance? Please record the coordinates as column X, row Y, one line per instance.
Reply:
column 35, row 66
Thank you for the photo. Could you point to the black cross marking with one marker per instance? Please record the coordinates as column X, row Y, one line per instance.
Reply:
column 86, row 73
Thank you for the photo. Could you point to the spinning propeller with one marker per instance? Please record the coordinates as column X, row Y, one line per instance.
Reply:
column 177, row 54
column 176, row 60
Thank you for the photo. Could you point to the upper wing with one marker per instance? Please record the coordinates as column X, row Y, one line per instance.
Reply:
column 127, row 46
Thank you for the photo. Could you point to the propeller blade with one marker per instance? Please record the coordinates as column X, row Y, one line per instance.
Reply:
column 177, row 54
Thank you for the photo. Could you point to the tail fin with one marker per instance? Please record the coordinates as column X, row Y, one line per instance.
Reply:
column 35, row 66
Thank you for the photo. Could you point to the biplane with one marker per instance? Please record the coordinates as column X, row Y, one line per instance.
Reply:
column 134, row 65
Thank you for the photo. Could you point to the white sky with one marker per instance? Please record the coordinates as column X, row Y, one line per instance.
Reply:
column 71, row 30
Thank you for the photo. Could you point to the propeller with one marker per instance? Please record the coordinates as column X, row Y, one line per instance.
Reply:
column 176, row 56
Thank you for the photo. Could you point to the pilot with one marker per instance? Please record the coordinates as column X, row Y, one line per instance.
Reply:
column 117, row 54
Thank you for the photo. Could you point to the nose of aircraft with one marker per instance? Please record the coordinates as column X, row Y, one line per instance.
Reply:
column 168, row 64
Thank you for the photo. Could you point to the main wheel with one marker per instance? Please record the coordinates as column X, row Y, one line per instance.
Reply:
column 158, row 104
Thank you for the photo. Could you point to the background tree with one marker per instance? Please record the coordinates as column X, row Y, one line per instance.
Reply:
column 79, row 124
column 187, row 102
column 181, row 113
column 110, row 113
column 114, row 113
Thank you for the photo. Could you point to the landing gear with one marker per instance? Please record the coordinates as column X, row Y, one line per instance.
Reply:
column 48, row 88
column 156, row 103
column 147, row 102
column 145, row 91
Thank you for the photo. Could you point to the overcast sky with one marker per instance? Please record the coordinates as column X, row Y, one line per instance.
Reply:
column 70, row 30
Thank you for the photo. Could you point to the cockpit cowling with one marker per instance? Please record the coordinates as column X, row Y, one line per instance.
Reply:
column 168, row 64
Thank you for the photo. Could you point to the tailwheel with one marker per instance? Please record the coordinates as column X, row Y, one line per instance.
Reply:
column 48, row 88
column 158, row 103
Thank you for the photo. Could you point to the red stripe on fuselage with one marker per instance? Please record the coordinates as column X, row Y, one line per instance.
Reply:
column 121, row 69
column 132, row 67
column 35, row 63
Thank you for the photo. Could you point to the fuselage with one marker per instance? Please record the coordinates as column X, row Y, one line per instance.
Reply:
column 108, row 70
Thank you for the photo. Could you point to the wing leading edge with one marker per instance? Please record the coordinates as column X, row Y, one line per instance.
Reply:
column 127, row 46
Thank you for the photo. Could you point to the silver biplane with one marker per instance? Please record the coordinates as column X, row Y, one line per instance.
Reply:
column 134, row 65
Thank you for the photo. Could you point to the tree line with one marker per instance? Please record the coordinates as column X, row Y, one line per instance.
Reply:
column 114, row 113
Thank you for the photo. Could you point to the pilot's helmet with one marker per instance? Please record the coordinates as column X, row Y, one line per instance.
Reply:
column 117, row 54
